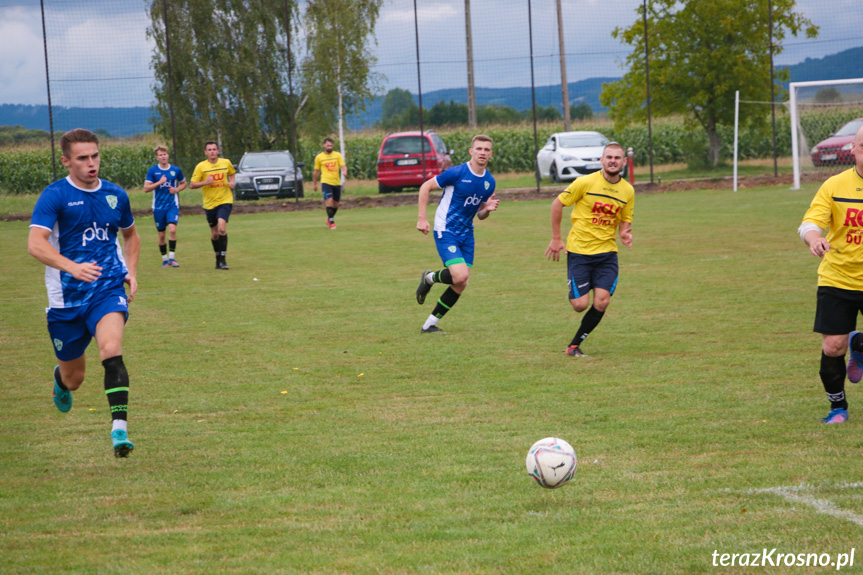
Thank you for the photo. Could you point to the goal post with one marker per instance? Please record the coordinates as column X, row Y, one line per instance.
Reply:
column 818, row 110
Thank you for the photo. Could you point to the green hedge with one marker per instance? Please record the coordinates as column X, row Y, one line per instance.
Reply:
column 29, row 170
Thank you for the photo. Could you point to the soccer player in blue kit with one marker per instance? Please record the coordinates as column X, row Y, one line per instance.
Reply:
column 468, row 191
column 74, row 232
column 166, row 181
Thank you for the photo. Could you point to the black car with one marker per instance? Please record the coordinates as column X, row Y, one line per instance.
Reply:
column 268, row 174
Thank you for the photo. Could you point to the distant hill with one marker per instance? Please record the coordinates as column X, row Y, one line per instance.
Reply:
column 129, row 121
column 118, row 122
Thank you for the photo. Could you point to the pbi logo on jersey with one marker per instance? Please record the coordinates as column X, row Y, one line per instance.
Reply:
column 112, row 201
column 451, row 249
column 58, row 344
column 94, row 233
column 472, row 201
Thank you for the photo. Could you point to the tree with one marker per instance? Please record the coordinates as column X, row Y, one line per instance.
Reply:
column 700, row 54
column 582, row 111
column 828, row 95
column 452, row 114
column 396, row 102
column 337, row 69
column 545, row 113
column 228, row 63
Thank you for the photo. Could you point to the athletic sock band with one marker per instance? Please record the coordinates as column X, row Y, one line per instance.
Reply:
column 117, row 386
column 445, row 303
column 833, row 377
column 589, row 322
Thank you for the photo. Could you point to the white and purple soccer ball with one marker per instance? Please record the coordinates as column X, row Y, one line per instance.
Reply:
column 551, row 462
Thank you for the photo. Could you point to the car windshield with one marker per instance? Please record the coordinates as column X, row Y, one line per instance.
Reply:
column 582, row 140
column 405, row 145
column 279, row 161
column 850, row 129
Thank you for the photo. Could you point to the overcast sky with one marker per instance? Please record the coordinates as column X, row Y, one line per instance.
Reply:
column 93, row 41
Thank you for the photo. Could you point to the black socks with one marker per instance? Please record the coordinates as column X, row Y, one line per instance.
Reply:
column 117, row 386
column 445, row 303
column 833, row 377
column 591, row 319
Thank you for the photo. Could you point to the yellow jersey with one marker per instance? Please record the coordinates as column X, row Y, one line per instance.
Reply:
column 838, row 208
column 599, row 207
column 329, row 165
column 218, row 192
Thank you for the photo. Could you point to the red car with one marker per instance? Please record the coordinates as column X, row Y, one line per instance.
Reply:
column 400, row 160
column 836, row 150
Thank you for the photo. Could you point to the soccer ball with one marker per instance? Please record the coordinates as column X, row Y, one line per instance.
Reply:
column 551, row 462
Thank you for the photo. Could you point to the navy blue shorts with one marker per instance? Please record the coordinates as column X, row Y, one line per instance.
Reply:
column 167, row 216
column 72, row 329
column 222, row 211
column 454, row 249
column 586, row 272
column 330, row 191
column 836, row 310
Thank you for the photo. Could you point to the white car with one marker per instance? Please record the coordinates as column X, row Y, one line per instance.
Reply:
column 569, row 155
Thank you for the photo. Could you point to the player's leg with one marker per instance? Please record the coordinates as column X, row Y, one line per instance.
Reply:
column 329, row 204
column 173, row 219
column 109, row 337
column 835, row 318
column 223, row 236
column 213, row 222
column 159, row 219
column 457, row 256
column 602, row 270
column 70, row 338
column 336, row 198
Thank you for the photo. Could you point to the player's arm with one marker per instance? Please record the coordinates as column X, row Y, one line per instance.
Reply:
column 487, row 207
column 40, row 248
column 231, row 181
column 199, row 181
column 344, row 170
column 624, row 230
column 425, row 190
column 180, row 187
column 556, row 245
column 131, row 249
column 810, row 233
column 315, row 175
column 150, row 186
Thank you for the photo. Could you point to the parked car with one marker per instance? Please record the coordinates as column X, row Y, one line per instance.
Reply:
column 400, row 160
column 268, row 174
column 836, row 150
column 568, row 155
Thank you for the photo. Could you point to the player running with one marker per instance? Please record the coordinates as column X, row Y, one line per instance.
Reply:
column 217, row 178
column 330, row 166
column 166, row 182
column 603, row 206
column 468, row 191
column 836, row 208
column 74, row 232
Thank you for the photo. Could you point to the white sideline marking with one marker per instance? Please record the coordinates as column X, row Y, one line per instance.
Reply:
column 797, row 494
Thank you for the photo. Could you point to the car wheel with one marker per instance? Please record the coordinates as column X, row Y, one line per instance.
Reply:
column 552, row 171
column 382, row 189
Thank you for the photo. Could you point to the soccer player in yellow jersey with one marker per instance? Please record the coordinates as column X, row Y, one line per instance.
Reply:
column 330, row 166
column 838, row 208
column 602, row 207
column 216, row 176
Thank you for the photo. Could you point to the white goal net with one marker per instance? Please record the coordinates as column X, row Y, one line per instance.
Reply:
column 825, row 116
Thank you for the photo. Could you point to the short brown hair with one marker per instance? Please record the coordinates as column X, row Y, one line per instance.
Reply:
column 480, row 138
column 329, row 140
column 160, row 148
column 76, row 136
column 210, row 142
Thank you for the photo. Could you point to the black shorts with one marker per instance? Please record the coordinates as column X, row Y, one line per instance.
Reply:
column 222, row 211
column 330, row 191
column 586, row 272
column 837, row 309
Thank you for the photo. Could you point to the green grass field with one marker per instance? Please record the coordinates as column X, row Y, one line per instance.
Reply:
column 288, row 417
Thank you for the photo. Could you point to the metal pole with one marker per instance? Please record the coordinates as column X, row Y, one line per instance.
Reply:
column 420, row 88
column 736, row 132
column 291, row 101
column 772, row 88
column 647, row 82
column 563, row 83
column 471, row 89
column 532, row 88
column 48, row 82
column 170, row 81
